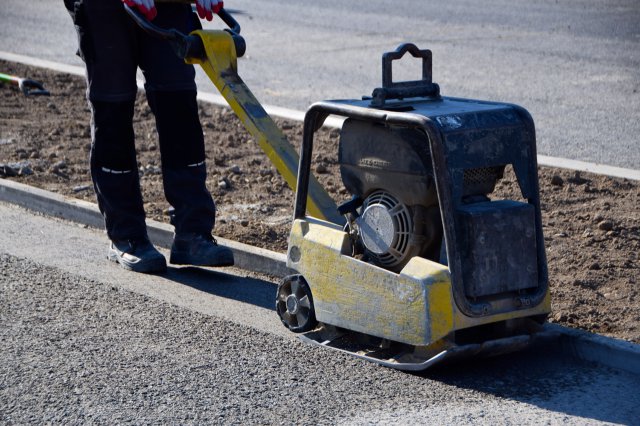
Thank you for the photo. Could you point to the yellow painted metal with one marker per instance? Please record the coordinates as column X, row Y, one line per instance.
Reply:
column 361, row 297
column 415, row 306
column 221, row 66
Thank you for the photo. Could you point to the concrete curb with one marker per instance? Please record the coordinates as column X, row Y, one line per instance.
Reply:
column 614, row 353
column 246, row 257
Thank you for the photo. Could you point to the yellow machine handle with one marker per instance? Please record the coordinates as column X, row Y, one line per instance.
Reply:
column 219, row 61
column 220, row 64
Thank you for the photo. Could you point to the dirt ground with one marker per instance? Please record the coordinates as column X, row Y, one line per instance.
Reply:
column 591, row 222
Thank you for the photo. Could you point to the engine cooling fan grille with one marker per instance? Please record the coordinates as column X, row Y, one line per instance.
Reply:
column 385, row 228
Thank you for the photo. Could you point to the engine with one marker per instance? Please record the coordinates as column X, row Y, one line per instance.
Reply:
column 394, row 214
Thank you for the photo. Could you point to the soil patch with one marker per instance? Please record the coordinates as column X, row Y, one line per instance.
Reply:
column 591, row 222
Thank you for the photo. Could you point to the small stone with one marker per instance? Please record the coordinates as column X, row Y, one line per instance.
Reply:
column 152, row 147
column 287, row 126
column 152, row 170
column 272, row 235
column 595, row 266
column 224, row 184
column 557, row 180
column 235, row 169
column 34, row 154
column 60, row 165
column 51, row 105
column 605, row 225
column 559, row 317
column 577, row 179
column 81, row 188
column 598, row 217
column 561, row 235
column 22, row 155
column 587, row 234
column 244, row 222
column 321, row 168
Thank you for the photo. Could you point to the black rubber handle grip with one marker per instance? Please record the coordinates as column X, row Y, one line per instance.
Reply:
column 187, row 45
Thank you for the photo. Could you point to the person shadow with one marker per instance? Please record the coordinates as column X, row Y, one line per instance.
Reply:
column 255, row 291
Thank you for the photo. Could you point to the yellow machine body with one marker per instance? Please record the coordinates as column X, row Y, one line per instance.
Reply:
column 415, row 306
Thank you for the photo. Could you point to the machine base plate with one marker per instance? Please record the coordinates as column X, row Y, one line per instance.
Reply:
column 417, row 358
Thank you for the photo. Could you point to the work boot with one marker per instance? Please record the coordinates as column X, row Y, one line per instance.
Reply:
column 137, row 255
column 200, row 250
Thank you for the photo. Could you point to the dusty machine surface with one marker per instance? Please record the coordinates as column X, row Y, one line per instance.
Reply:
column 427, row 265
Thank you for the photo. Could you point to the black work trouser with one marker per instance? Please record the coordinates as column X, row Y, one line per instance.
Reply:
column 113, row 47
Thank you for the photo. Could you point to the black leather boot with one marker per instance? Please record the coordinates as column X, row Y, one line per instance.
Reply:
column 137, row 255
column 200, row 250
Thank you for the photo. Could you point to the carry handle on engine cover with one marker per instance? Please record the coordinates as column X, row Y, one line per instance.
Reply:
column 405, row 89
column 216, row 52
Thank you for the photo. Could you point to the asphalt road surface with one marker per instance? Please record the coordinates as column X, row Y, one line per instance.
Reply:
column 575, row 65
column 84, row 341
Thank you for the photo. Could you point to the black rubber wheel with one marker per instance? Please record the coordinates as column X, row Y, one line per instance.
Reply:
column 294, row 304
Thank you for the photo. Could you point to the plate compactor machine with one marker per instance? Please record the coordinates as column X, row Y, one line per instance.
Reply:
column 423, row 263
column 429, row 265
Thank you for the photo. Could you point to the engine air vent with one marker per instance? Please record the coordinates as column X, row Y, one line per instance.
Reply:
column 385, row 228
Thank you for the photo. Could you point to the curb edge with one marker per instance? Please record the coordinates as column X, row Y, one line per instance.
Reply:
column 83, row 212
column 613, row 353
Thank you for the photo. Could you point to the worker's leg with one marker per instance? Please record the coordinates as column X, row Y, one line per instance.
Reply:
column 108, row 45
column 183, row 160
column 171, row 93
column 114, row 170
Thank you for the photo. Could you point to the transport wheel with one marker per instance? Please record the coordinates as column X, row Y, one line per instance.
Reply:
column 294, row 304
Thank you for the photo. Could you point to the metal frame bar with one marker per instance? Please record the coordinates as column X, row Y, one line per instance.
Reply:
column 319, row 111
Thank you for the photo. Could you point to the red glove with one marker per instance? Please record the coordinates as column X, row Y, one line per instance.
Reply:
column 147, row 7
column 207, row 8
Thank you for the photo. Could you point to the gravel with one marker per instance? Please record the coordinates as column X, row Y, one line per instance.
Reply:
column 81, row 351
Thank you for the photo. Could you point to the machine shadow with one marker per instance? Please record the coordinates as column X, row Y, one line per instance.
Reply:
column 254, row 291
column 543, row 376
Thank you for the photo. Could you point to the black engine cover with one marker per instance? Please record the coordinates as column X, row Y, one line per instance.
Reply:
column 397, row 160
